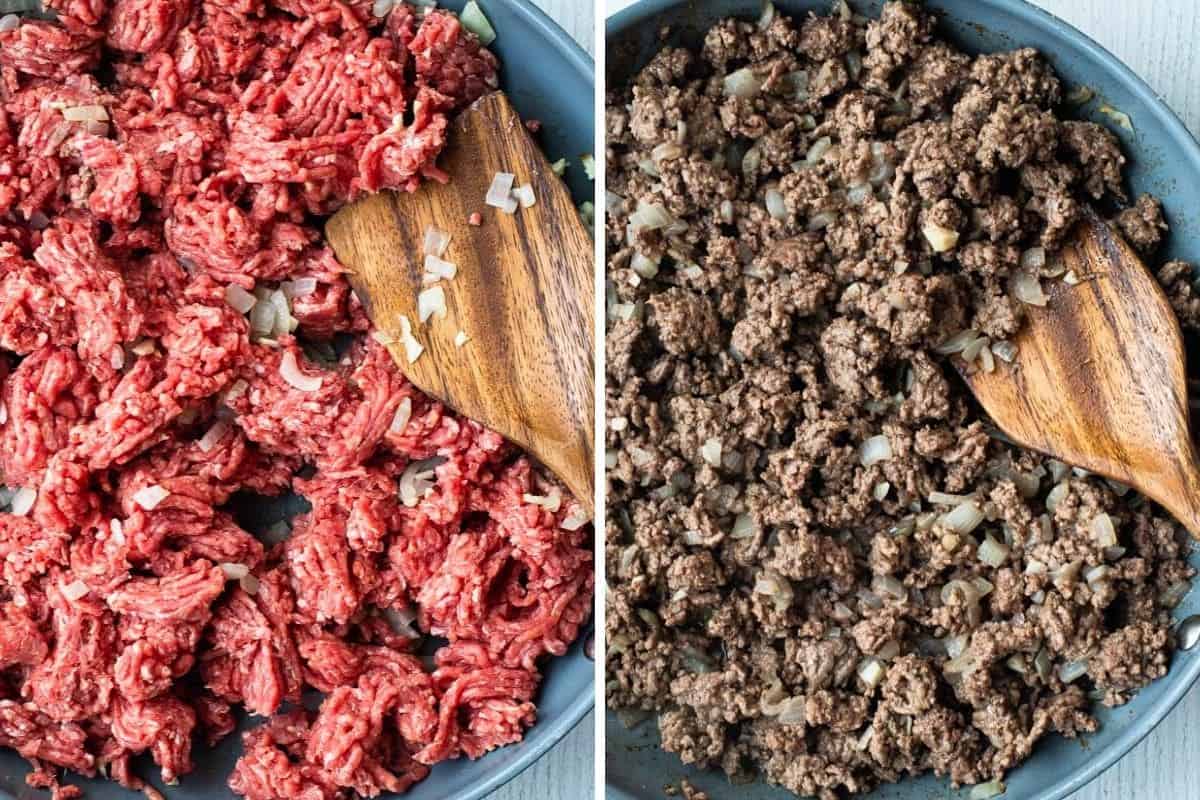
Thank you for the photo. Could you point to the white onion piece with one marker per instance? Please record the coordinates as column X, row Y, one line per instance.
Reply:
column 417, row 479
column 1005, row 351
column 888, row 585
column 412, row 348
column 239, row 299
column 775, row 205
column 461, row 338
column 3, row 413
column 9, row 22
column 612, row 202
column 644, row 266
column 234, row 572
column 650, row 216
column 289, row 370
column 1072, row 671
column 939, row 238
column 436, row 268
column 819, row 149
column 710, row 451
column 498, row 194
column 874, row 450
column 381, row 8
column 213, row 435
column 430, row 302
column 301, row 287
column 992, row 553
column 1033, row 259
column 472, row 19
column 944, row 499
column 1102, row 528
column 262, row 319
column 744, row 527
column 575, row 519
column 742, row 83
column 383, row 337
column 284, row 321
column 588, row 162
column 551, row 502
column 1027, row 288
column 402, row 416
column 957, row 342
column 1055, row 495
column 525, row 196
column 986, row 791
column 436, row 241
column 871, row 671
column 964, row 518
column 22, row 501
column 150, row 496
column 85, row 114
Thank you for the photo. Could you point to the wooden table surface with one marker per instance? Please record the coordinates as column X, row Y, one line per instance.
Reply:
column 1156, row 38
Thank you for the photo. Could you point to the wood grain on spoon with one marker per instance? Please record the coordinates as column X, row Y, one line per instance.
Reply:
column 523, row 293
column 1099, row 380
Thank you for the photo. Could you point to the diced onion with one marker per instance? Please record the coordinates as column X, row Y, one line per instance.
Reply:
column 213, row 435
column 262, row 319
column 1033, row 259
column 889, row 585
column 289, row 370
column 1056, row 495
column 874, row 450
column 402, row 416
column 3, row 413
column 957, row 342
column 1027, row 288
column 574, row 520
column 818, row 151
column 881, row 490
column 498, row 194
column 431, row 301
column 301, row 287
column 461, row 338
column 710, row 451
column 9, row 22
column 551, row 502
column 150, row 496
column 1119, row 117
column 992, row 553
column 944, row 499
column 1095, row 575
column 436, row 241
column 1072, row 671
column 871, row 671
column 412, row 348
column 22, row 501
column 744, row 527
column 986, row 791
column 1005, row 351
column 588, row 162
column 775, row 205
column 436, row 268
column 973, row 349
column 239, row 299
column 940, row 239
column 381, row 8
column 742, row 83
column 417, row 479
column 234, row 571
column 964, row 518
column 1102, row 528
column 644, row 266
column 85, row 114
column 525, row 196
column 472, row 19
column 650, row 216
column 75, row 590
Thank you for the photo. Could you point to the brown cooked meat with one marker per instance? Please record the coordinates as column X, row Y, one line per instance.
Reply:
column 825, row 566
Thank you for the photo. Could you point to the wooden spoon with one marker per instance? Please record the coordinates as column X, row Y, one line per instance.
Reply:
column 523, row 293
column 1099, row 379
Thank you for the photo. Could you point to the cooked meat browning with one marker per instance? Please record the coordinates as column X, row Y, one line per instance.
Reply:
column 825, row 566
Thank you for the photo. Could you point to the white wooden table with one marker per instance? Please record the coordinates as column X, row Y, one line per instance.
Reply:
column 566, row 772
column 1156, row 38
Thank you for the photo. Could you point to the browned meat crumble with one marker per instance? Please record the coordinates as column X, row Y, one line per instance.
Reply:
column 824, row 565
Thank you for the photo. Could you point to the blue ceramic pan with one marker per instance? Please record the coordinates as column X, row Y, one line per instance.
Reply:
column 550, row 78
column 1165, row 161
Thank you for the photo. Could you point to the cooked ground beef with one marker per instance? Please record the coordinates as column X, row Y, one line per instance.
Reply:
column 801, row 493
column 159, row 160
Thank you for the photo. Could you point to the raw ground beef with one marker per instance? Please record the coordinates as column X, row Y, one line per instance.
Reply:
column 154, row 153
column 825, row 566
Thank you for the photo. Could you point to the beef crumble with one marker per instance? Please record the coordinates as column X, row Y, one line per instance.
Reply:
column 825, row 566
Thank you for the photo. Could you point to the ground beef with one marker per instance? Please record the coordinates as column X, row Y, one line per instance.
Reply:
column 141, row 414
column 785, row 440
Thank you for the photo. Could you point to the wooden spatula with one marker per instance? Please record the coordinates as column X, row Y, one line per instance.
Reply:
column 1099, row 379
column 523, row 293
